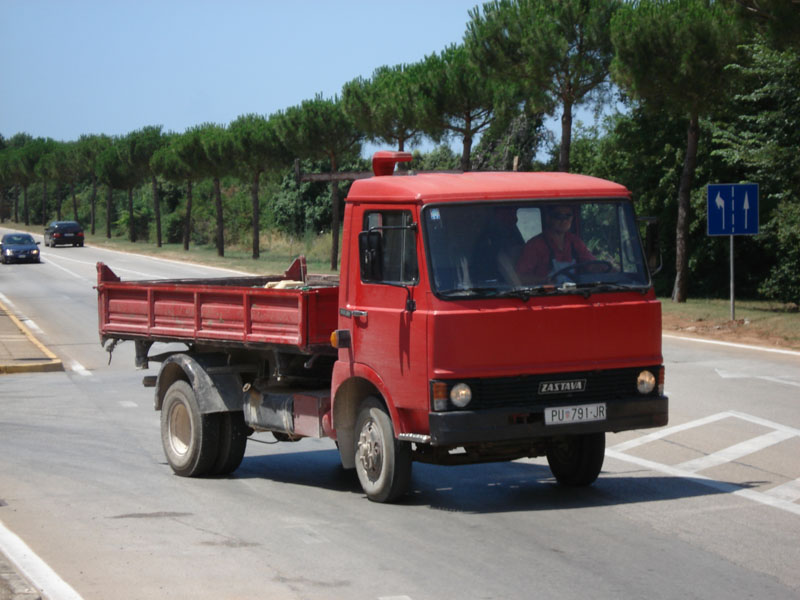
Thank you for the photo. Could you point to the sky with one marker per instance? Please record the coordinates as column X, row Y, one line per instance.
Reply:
column 73, row 67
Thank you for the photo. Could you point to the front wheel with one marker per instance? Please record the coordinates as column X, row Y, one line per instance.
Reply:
column 382, row 462
column 576, row 460
column 190, row 439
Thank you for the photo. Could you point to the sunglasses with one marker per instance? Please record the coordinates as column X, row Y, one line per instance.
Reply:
column 561, row 216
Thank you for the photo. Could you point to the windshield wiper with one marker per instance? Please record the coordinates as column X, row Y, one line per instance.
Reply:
column 525, row 293
column 488, row 292
column 604, row 286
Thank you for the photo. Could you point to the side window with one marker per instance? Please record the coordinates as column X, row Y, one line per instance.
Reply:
column 397, row 246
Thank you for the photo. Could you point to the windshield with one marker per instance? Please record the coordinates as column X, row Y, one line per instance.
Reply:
column 18, row 239
column 528, row 248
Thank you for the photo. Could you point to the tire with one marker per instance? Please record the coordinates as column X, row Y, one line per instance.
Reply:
column 577, row 460
column 383, row 463
column 232, row 443
column 190, row 439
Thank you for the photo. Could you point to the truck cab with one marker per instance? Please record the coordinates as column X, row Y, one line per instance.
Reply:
column 467, row 334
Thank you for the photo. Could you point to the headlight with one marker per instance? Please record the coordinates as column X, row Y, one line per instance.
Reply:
column 460, row 395
column 34, row 251
column 646, row 382
column 8, row 252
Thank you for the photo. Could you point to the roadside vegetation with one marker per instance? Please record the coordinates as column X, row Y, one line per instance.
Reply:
column 697, row 92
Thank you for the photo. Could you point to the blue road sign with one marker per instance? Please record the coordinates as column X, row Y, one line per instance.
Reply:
column 733, row 209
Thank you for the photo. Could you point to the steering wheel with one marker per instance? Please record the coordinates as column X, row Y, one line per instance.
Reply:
column 582, row 267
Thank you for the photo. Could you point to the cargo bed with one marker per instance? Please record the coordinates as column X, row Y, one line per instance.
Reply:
column 231, row 311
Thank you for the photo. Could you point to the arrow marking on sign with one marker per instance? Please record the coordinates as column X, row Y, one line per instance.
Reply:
column 721, row 206
column 746, row 208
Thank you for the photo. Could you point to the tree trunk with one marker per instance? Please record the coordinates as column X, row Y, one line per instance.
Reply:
column 680, row 290
column 157, row 210
column 187, row 229
column 566, row 138
column 109, row 201
column 256, row 214
column 131, row 221
column 466, row 154
column 334, row 216
column 25, row 205
column 74, row 200
column 93, row 201
column 59, row 200
column 44, row 202
column 220, row 222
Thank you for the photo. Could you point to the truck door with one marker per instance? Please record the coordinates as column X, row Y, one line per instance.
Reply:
column 388, row 329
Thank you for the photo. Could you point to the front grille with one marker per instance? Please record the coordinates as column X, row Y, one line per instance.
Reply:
column 522, row 391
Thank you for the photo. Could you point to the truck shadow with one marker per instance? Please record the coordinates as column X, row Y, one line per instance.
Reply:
column 485, row 488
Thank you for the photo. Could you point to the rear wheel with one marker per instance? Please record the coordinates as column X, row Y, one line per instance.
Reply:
column 190, row 439
column 576, row 460
column 233, row 434
column 382, row 462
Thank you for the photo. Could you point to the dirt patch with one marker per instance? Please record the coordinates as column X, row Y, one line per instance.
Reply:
column 740, row 331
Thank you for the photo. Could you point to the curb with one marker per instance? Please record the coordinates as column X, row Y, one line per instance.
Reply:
column 52, row 364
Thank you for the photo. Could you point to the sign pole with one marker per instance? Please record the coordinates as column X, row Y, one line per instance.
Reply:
column 733, row 310
column 728, row 213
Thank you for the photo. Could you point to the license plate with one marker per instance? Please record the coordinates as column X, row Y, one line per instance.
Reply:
column 581, row 413
column 69, row 234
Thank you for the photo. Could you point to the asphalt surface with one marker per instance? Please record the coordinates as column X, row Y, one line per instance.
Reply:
column 20, row 352
column 677, row 513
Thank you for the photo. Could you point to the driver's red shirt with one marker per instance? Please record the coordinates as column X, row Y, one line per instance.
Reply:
column 534, row 262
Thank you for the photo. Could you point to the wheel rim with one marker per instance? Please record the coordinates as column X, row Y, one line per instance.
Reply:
column 370, row 450
column 180, row 429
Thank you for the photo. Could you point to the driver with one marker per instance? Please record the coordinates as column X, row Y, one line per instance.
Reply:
column 552, row 250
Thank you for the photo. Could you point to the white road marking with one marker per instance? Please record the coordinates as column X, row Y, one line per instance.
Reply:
column 779, row 380
column 731, row 375
column 31, row 324
column 92, row 264
column 730, row 344
column 80, row 369
column 128, row 404
column 735, row 452
column 6, row 301
column 789, row 491
column 34, row 568
column 722, row 486
column 662, row 433
column 72, row 273
column 782, row 497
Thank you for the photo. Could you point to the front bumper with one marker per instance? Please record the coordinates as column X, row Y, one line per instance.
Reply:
column 457, row 428
column 19, row 258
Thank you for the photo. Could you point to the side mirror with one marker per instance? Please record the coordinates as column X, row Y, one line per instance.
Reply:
column 370, row 252
column 652, row 247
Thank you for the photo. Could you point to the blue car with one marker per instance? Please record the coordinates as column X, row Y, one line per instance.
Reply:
column 19, row 247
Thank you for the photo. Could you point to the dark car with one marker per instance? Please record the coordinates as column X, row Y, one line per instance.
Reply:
column 61, row 233
column 19, row 247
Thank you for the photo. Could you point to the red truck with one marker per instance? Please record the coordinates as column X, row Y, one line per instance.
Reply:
column 446, row 339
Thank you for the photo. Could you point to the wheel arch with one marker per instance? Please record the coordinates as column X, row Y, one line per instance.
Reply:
column 217, row 391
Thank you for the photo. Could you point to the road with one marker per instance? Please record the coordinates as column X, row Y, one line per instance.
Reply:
column 707, row 507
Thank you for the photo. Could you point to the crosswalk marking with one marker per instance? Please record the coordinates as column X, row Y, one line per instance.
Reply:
column 789, row 491
column 783, row 497
column 735, row 452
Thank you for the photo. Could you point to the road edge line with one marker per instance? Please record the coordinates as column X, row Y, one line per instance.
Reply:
column 730, row 344
column 38, row 573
